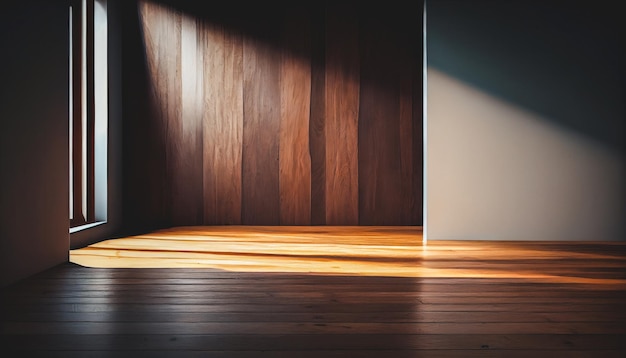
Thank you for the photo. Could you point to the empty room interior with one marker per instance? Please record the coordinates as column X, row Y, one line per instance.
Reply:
column 439, row 178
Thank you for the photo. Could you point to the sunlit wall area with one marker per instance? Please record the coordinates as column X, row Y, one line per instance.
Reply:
column 272, row 113
column 525, row 121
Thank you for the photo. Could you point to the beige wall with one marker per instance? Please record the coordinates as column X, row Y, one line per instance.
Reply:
column 499, row 172
column 517, row 149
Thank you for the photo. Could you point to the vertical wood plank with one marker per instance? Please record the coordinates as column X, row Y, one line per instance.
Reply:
column 171, row 98
column 260, row 191
column 295, row 101
column 409, row 28
column 197, row 125
column 142, row 154
column 230, row 127
column 385, row 116
column 187, row 168
column 317, row 126
column 379, row 152
column 223, row 125
column 162, row 27
column 322, row 127
column 341, row 116
column 415, row 30
column 213, row 56
column 406, row 148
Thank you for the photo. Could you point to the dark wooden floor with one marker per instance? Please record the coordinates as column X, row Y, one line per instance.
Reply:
column 74, row 311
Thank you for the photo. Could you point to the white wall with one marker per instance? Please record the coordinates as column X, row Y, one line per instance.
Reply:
column 525, row 122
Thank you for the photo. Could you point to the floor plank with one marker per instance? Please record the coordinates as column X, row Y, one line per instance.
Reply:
column 321, row 291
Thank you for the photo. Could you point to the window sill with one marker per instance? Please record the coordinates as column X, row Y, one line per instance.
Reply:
column 86, row 226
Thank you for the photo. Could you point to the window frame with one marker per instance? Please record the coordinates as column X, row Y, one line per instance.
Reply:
column 88, row 125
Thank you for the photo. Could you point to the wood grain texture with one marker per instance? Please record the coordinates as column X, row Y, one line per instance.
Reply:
column 409, row 60
column 406, row 123
column 414, row 31
column 223, row 125
column 380, row 174
column 356, row 250
column 295, row 101
column 445, row 299
column 163, row 31
column 142, row 146
column 308, row 116
column 260, row 193
column 229, row 172
column 213, row 63
column 341, row 116
column 386, row 117
column 317, row 122
column 187, row 207
column 167, row 84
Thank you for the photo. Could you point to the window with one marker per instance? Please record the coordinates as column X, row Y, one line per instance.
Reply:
column 88, row 111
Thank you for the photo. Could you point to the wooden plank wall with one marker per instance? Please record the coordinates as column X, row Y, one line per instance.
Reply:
column 310, row 115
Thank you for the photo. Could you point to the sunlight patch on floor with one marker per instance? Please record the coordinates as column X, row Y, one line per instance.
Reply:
column 360, row 251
